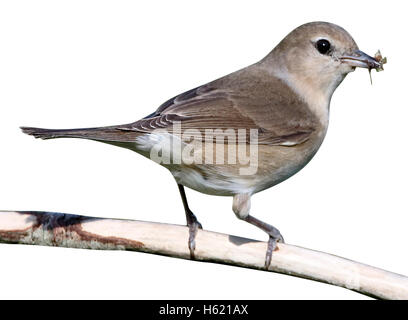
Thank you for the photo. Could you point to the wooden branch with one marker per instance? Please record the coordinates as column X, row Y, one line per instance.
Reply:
column 73, row 231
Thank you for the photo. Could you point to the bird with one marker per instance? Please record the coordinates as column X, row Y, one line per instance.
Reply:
column 278, row 106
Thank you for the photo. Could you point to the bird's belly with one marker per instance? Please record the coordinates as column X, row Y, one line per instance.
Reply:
column 275, row 164
column 272, row 165
column 213, row 180
column 280, row 163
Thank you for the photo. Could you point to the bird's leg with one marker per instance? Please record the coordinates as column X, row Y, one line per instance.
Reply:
column 241, row 206
column 192, row 222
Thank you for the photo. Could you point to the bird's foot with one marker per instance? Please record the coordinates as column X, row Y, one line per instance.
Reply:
column 193, row 225
column 273, row 240
column 274, row 237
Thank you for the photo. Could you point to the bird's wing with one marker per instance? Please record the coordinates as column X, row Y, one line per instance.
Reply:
column 273, row 110
column 237, row 102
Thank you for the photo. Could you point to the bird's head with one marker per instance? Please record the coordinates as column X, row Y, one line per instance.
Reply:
column 316, row 57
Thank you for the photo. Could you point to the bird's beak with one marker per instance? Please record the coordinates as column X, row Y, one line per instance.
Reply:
column 362, row 60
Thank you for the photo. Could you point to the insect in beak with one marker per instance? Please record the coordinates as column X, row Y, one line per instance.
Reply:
column 363, row 60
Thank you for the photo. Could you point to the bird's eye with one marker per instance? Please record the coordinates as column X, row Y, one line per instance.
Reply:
column 323, row 46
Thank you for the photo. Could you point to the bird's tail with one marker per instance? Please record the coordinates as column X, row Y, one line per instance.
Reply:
column 105, row 134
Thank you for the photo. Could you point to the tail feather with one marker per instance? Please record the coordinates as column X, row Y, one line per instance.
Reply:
column 43, row 133
column 56, row 133
column 107, row 134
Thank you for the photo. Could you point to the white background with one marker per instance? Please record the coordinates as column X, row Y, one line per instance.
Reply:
column 92, row 63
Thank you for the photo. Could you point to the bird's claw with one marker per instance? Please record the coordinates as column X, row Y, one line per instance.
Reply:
column 270, row 248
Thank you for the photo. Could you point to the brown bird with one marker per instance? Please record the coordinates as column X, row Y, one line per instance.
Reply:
column 277, row 108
